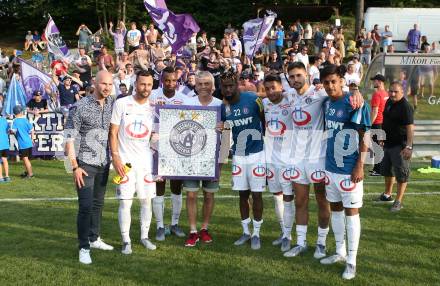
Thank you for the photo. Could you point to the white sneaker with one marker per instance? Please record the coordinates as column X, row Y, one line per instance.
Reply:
column 296, row 250
column 349, row 272
column 333, row 259
column 100, row 244
column 320, row 251
column 84, row 256
column 148, row 244
column 126, row 248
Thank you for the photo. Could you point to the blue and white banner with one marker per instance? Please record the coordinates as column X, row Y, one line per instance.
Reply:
column 14, row 96
column 255, row 31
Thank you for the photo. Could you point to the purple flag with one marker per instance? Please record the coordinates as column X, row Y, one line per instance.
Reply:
column 34, row 79
column 255, row 31
column 55, row 43
column 157, row 3
column 177, row 29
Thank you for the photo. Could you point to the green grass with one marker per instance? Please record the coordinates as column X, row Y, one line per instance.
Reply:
column 38, row 242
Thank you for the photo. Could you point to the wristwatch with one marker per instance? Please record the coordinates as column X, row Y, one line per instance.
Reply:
column 408, row 147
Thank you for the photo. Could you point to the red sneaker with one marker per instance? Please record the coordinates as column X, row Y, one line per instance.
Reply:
column 192, row 239
column 205, row 236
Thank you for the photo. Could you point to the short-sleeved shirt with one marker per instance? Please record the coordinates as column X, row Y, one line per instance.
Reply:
column 367, row 42
column 23, row 128
column 38, row 105
column 280, row 38
column 83, row 35
column 135, row 123
column 244, row 116
column 132, row 35
column 88, row 124
column 389, row 40
column 342, row 123
column 67, row 95
column 396, row 117
column 378, row 100
column 4, row 131
column 414, row 38
column 157, row 96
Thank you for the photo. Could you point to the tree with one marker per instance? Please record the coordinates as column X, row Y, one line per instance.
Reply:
column 359, row 17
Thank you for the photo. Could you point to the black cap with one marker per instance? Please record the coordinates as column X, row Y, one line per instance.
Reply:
column 36, row 92
column 378, row 77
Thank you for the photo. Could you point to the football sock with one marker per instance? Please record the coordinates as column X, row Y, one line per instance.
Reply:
column 279, row 210
column 338, row 226
column 322, row 235
column 353, row 236
column 145, row 217
column 245, row 224
column 301, row 233
column 288, row 217
column 176, row 205
column 124, row 217
column 158, row 206
column 257, row 226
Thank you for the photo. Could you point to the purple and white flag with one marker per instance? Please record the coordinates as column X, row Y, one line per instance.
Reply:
column 177, row 29
column 34, row 79
column 255, row 31
column 55, row 43
column 157, row 3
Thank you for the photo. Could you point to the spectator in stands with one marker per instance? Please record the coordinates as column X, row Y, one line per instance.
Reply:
column 357, row 65
column 83, row 34
column 118, row 36
column 28, row 41
column 367, row 45
column 37, row 104
column 427, row 75
column 84, row 66
column 123, row 90
column 279, row 39
column 375, row 36
column 303, row 57
column 413, row 39
column 308, row 32
column 318, row 39
column 424, row 43
column 387, row 40
column 275, row 63
column 105, row 61
column 245, row 84
column 398, row 124
column 378, row 101
column 351, row 77
column 340, row 42
column 152, row 34
column 133, row 38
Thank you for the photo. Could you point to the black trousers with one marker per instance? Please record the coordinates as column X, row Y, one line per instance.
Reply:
column 376, row 167
column 90, row 203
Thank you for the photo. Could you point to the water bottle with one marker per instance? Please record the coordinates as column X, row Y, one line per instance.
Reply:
column 117, row 179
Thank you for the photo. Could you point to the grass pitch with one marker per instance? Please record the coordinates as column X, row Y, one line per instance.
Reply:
column 38, row 243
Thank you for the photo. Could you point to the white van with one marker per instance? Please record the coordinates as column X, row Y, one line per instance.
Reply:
column 401, row 20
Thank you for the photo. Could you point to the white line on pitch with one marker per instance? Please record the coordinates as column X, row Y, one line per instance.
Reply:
column 167, row 197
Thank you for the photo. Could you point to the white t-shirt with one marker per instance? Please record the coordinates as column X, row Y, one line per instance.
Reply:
column 134, row 37
column 157, row 95
column 302, row 58
column 308, row 33
column 350, row 78
column 194, row 101
column 278, row 138
column 357, row 67
column 308, row 141
column 135, row 125
column 313, row 73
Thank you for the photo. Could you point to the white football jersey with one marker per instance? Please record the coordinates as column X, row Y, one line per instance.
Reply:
column 135, row 123
column 278, row 121
column 308, row 142
column 157, row 95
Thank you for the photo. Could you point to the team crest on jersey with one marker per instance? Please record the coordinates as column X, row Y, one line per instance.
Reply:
column 285, row 112
column 318, row 176
column 294, row 173
column 301, row 117
column 308, row 100
column 137, row 129
column 188, row 138
column 286, row 174
column 340, row 113
column 147, row 179
column 259, row 171
column 276, row 127
column 236, row 170
column 245, row 110
column 269, row 174
column 347, row 185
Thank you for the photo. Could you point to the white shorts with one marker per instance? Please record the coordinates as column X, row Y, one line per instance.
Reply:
column 340, row 188
column 249, row 172
column 139, row 181
column 308, row 172
column 278, row 179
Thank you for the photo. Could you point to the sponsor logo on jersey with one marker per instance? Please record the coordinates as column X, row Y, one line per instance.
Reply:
column 240, row 122
column 335, row 125
column 259, row 171
column 269, row 174
column 147, row 179
column 294, row 173
column 347, row 185
column 236, row 170
column 276, row 127
column 188, row 138
column 137, row 129
column 301, row 117
column 284, row 106
column 318, row 176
